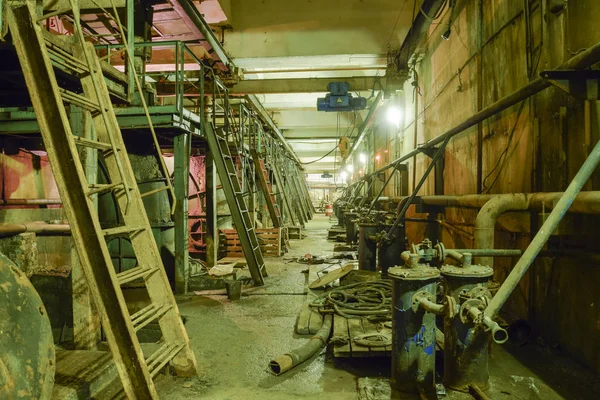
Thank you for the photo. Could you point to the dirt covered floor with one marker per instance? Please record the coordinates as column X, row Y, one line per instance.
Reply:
column 235, row 340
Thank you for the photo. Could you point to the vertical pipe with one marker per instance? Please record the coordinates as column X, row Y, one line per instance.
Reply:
column 181, row 172
column 413, row 330
column 540, row 239
column 212, row 235
column 131, row 48
column 367, row 248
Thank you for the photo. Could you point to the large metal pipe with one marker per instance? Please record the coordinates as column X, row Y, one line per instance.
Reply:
column 582, row 60
column 418, row 31
column 485, row 223
column 30, row 202
column 287, row 361
column 413, row 329
column 544, row 233
column 38, row 227
column 493, row 206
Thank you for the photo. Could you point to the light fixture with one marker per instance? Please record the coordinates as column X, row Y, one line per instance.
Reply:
column 377, row 157
column 394, row 115
column 350, row 168
column 343, row 175
column 363, row 158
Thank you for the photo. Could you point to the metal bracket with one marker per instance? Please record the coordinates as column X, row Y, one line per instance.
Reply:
column 582, row 84
column 428, row 151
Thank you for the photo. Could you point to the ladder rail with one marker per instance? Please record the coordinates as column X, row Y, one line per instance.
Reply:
column 103, row 107
column 79, row 208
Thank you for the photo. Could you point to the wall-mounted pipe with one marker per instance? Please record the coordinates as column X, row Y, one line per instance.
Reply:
column 485, row 223
column 418, row 31
column 30, row 202
column 544, row 233
column 38, row 227
column 582, row 60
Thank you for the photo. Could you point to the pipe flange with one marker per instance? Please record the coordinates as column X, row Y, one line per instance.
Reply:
column 464, row 311
column 479, row 292
column 451, row 306
column 421, row 295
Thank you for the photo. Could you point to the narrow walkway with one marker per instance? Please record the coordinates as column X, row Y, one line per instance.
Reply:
column 234, row 341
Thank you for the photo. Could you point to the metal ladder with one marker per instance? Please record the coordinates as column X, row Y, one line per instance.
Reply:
column 219, row 148
column 120, row 324
column 263, row 177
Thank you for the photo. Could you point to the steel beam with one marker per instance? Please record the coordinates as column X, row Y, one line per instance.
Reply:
column 255, row 104
column 188, row 12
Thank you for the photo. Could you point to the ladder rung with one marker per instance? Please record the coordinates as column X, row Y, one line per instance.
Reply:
column 102, row 188
column 134, row 273
column 92, row 143
column 54, row 14
column 148, row 314
column 162, row 356
column 154, row 191
column 77, row 99
column 121, row 230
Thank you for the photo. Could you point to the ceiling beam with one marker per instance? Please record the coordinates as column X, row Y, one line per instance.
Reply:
column 270, row 86
column 306, row 85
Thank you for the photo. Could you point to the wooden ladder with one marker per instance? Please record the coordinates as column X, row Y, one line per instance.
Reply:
column 119, row 322
column 263, row 178
column 284, row 194
column 218, row 145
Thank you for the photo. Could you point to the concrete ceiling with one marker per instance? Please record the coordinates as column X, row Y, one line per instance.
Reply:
column 301, row 39
column 288, row 51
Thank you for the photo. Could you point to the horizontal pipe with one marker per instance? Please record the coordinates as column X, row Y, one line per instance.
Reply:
column 544, row 233
column 572, row 253
column 30, row 202
column 584, row 203
column 37, row 227
column 582, row 60
column 431, row 307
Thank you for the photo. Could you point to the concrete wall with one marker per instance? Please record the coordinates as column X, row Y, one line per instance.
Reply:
column 537, row 145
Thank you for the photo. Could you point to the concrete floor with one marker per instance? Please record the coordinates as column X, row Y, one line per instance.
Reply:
column 234, row 341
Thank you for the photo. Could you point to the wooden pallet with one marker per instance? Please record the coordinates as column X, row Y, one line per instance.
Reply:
column 348, row 329
column 268, row 239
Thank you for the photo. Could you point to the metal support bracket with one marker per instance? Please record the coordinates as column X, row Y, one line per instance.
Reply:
column 582, row 84
column 439, row 168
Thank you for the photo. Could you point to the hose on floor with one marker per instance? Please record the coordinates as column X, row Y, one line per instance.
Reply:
column 287, row 361
column 356, row 300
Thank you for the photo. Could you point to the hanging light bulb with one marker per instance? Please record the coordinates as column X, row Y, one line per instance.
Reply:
column 394, row 115
column 363, row 158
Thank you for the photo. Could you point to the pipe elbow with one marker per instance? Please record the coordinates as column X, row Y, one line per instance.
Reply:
column 495, row 207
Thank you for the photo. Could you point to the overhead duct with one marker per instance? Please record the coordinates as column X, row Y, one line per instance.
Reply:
column 417, row 32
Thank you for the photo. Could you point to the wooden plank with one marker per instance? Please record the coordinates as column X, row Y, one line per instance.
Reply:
column 341, row 337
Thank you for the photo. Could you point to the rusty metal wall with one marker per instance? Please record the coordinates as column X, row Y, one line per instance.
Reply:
column 534, row 146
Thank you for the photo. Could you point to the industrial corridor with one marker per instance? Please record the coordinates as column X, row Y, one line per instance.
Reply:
column 299, row 199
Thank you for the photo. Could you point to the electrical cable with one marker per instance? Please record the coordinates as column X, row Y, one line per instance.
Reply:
column 357, row 299
column 319, row 159
column 503, row 156
column 439, row 13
